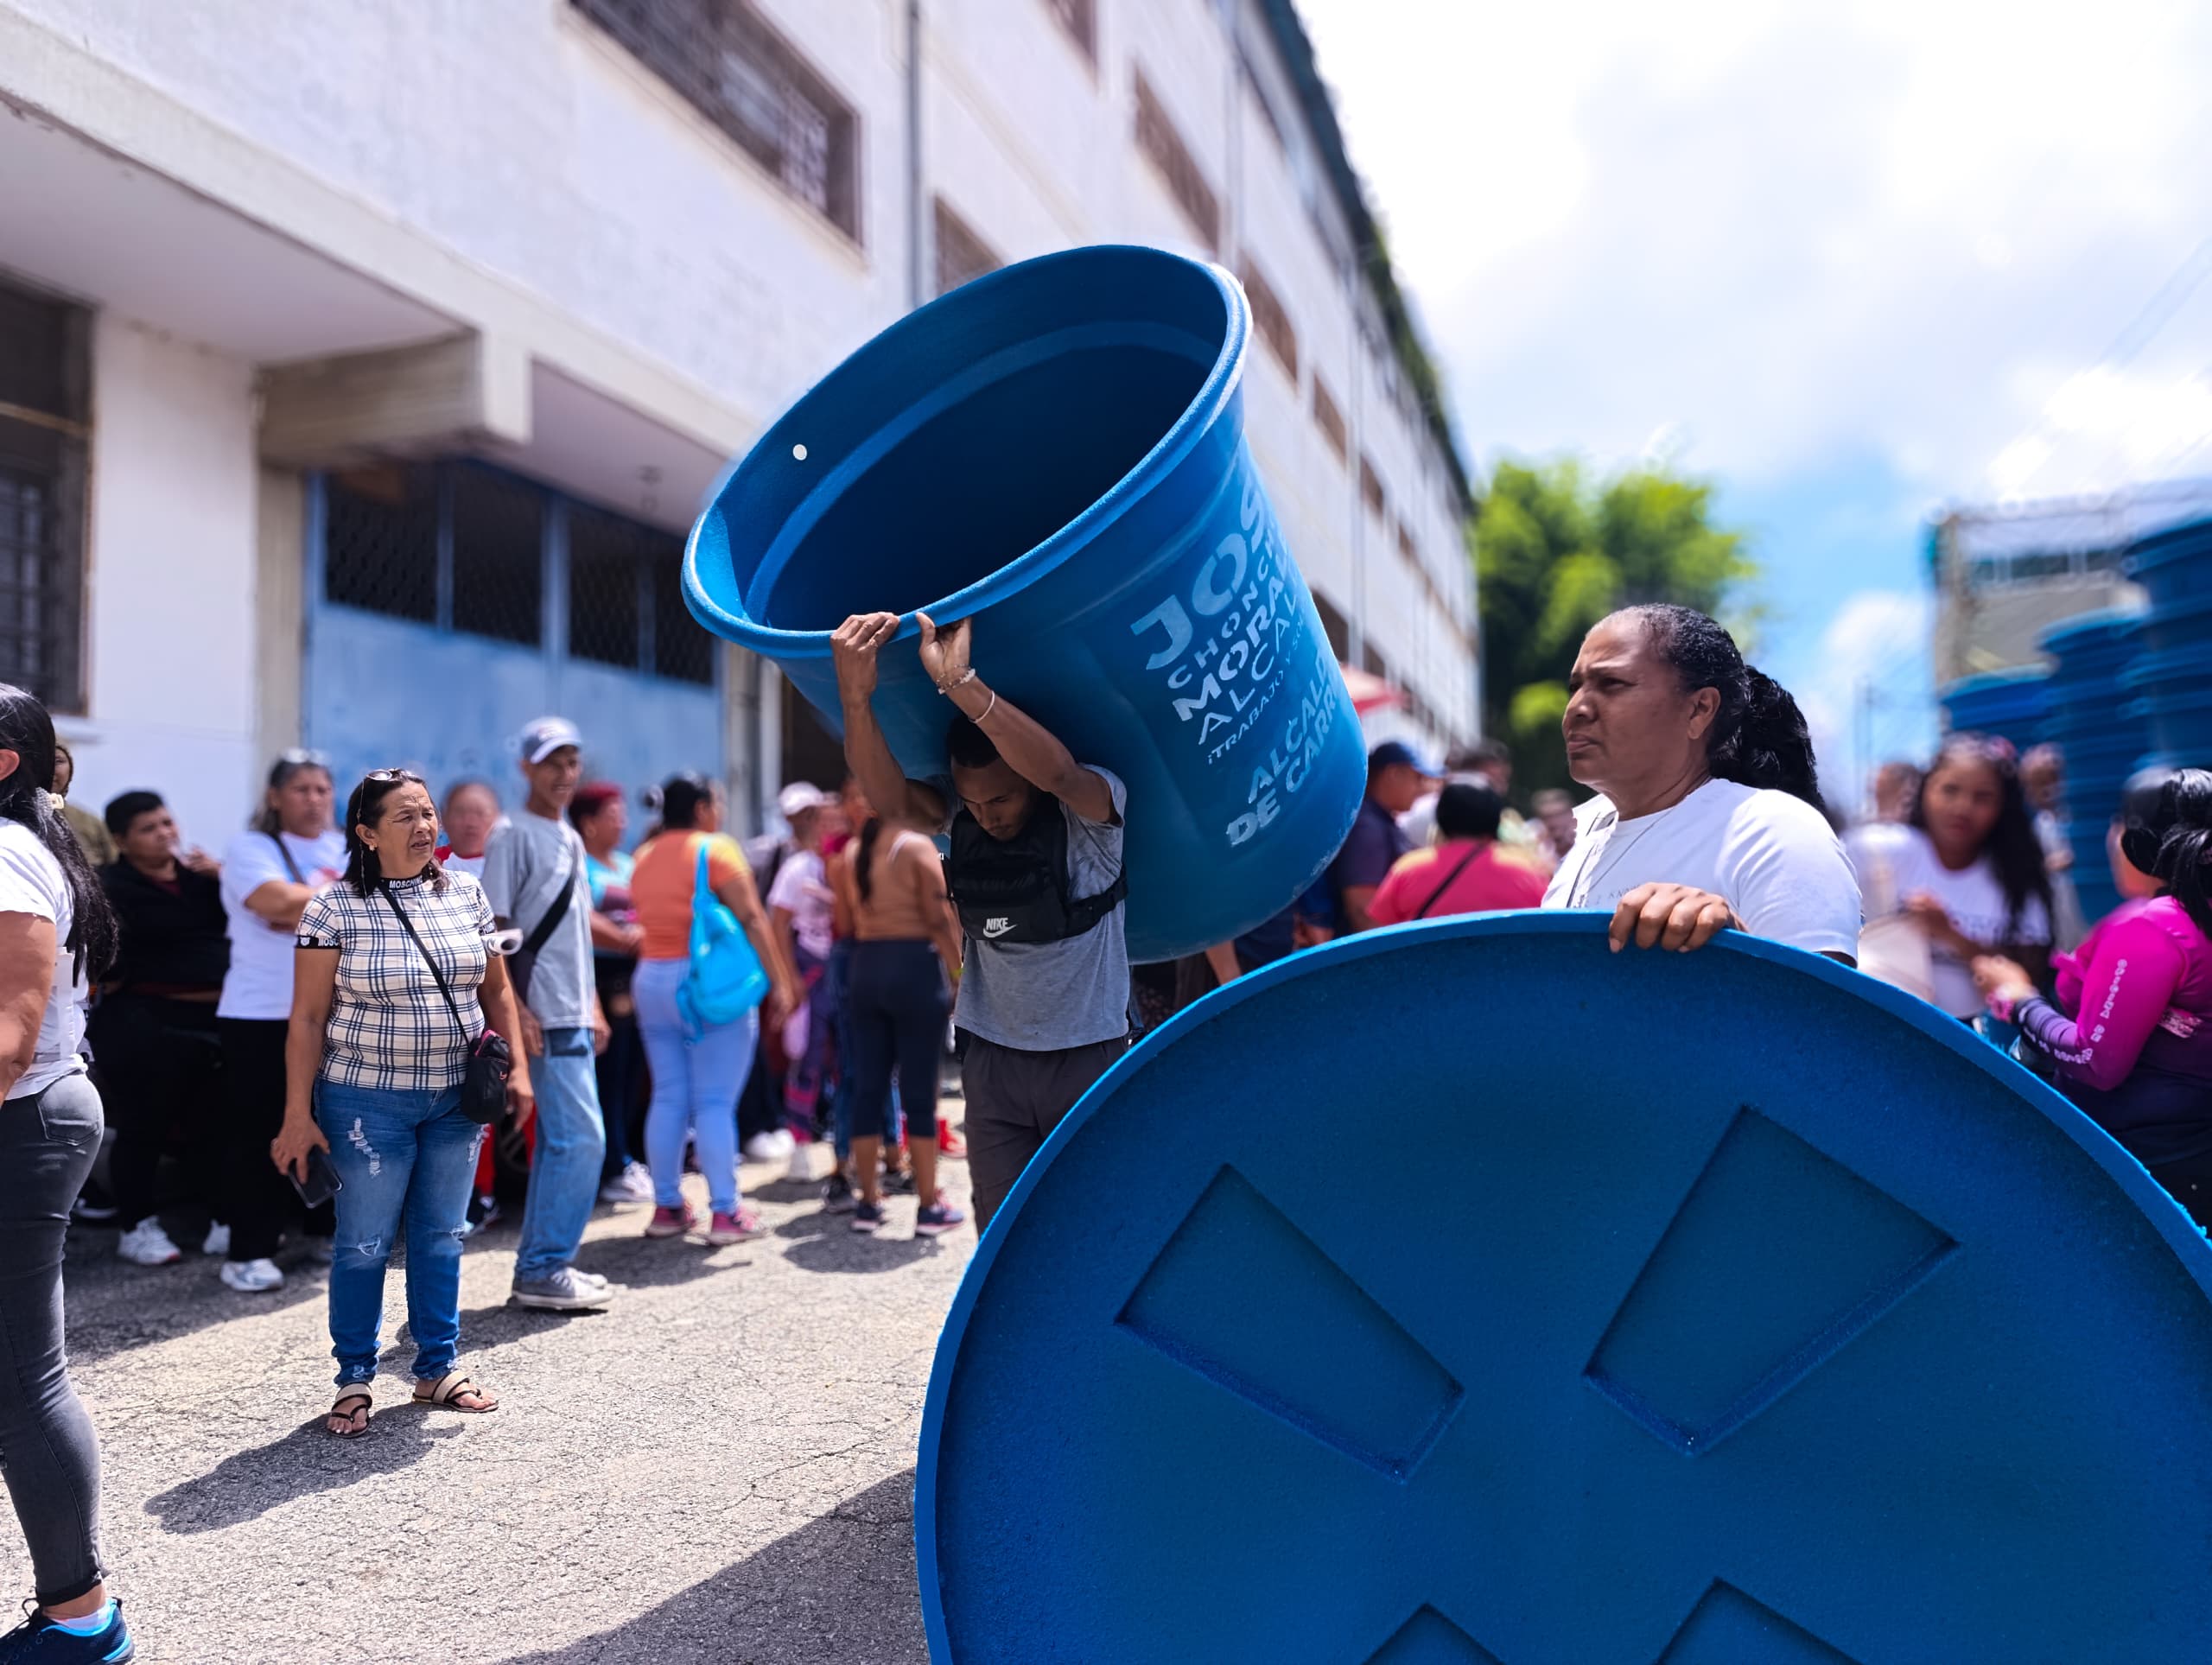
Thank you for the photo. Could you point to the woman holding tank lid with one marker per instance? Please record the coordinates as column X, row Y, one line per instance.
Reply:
column 1709, row 814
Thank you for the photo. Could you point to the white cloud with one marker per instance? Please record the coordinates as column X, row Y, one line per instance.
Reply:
column 1898, row 228
column 1870, row 691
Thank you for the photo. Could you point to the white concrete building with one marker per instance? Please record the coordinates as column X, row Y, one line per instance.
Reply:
column 361, row 365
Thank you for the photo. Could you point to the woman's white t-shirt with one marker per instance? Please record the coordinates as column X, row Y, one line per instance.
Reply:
column 1771, row 855
column 259, row 984
column 1897, row 862
column 31, row 881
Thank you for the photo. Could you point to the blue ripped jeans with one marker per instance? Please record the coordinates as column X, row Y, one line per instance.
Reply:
column 405, row 1160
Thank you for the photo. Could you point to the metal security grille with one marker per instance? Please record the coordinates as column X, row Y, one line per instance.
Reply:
column 961, row 256
column 682, row 649
column 1186, row 182
column 44, row 377
column 605, row 566
column 380, row 540
column 499, row 557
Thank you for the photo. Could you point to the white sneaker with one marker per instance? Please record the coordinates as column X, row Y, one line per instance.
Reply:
column 252, row 1277
column 802, row 1164
column 633, row 1184
column 769, row 1146
column 146, row 1244
column 217, row 1246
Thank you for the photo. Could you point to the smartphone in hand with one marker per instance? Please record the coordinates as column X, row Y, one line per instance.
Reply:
column 322, row 1182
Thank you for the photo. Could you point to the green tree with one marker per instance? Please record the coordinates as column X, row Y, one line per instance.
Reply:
column 1555, row 550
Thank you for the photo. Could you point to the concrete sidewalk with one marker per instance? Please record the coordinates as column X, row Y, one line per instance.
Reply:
column 718, row 1471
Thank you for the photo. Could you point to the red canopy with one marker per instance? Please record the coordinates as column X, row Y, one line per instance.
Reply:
column 1369, row 691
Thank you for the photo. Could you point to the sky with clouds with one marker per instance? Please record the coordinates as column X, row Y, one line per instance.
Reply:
column 1854, row 263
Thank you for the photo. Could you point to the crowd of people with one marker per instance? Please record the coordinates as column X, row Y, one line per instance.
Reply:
column 378, row 1024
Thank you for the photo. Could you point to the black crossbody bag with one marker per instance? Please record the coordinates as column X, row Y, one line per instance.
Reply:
column 523, row 960
column 1436, row 895
column 484, row 1083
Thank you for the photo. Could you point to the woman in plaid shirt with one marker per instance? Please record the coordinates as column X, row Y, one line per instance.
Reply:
column 374, row 1066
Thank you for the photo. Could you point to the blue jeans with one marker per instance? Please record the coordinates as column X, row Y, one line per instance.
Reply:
column 695, row 1084
column 571, row 1146
column 404, row 1158
column 839, row 978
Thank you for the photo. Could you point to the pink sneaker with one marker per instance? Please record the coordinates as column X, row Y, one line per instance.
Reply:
column 732, row 1228
column 672, row 1222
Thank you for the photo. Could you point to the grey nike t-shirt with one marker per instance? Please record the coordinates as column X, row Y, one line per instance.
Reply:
column 1044, row 997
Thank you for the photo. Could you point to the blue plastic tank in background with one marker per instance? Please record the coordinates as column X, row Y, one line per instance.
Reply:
column 1760, row 1315
column 2172, row 675
column 2101, row 732
column 2011, row 704
column 1057, row 450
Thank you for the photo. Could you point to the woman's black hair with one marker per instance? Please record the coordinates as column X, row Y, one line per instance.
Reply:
column 2180, row 818
column 363, row 871
column 266, row 819
column 1758, row 736
column 864, row 854
column 1465, row 810
column 680, row 798
column 28, row 731
column 2012, row 848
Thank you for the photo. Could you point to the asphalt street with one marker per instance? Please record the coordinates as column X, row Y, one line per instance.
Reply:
column 718, row 1471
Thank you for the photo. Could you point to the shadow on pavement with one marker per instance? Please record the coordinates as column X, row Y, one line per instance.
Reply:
column 112, row 1306
column 643, row 1262
column 248, row 1484
column 839, row 1590
column 826, row 1242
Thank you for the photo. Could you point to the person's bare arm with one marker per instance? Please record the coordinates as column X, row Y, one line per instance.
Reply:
column 611, row 935
column 314, row 974
column 856, row 645
column 1222, row 956
column 508, row 1017
column 844, row 886
column 1030, row 749
column 742, row 897
column 279, row 901
column 1356, row 899
column 926, row 874
column 28, row 949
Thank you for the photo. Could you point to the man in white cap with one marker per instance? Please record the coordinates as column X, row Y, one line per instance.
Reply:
column 534, row 875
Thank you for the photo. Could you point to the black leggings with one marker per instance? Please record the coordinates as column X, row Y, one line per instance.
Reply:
column 897, row 1004
column 47, row 1450
column 262, row 1201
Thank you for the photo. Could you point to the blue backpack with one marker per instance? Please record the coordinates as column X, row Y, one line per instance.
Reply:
column 725, row 980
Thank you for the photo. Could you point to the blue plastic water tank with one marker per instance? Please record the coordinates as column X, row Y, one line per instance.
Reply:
column 2007, row 702
column 2172, row 675
column 2095, row 722
column 1057, row 450
column 1759, row 1313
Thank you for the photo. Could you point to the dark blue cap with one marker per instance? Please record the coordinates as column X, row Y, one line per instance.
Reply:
column 1397, row 751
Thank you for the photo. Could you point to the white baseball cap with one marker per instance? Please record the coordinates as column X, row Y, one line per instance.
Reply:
column 796, row 799
column 547, row 736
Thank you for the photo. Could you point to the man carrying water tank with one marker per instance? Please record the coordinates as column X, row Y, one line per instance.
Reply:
column 1036, row 876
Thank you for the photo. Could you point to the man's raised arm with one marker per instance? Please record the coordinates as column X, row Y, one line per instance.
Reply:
column 855, row 645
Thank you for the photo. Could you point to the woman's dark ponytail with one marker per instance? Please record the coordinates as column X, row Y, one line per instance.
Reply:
column 2184, row 859
column 25, row 796
column 864, row 855
column 1758, row 737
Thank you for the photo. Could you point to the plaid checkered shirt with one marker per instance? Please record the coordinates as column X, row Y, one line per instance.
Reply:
column 389, row 1028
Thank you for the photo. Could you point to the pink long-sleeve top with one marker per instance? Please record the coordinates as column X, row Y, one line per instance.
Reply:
column 2136, row 1052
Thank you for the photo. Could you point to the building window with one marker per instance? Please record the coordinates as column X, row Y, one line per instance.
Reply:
column 380, row 540
column 499, row 557
column 1331, row 421
column 962, row 257
column 1079, row 18
column 45, row 413
column 1371, row 485
column 746, row 78
column 397, row 538
column 1164, row 149
column 1253, row 85
column 1273, row 323
column 1406, row 548
column 1335, row 626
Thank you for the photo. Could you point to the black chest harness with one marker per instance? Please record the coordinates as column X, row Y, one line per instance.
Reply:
column 1016, row 890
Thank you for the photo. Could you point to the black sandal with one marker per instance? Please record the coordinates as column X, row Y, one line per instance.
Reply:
column 362, row 1402
column 449, row 1387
